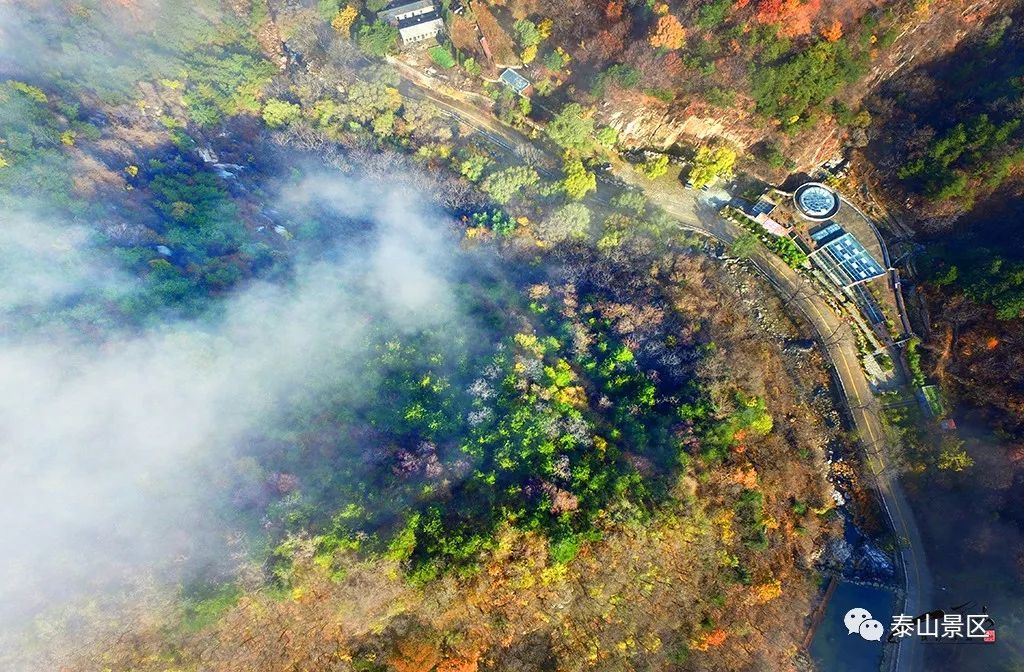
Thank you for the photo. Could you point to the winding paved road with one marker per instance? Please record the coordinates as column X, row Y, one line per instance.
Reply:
column 840, row 346
column 833, row 332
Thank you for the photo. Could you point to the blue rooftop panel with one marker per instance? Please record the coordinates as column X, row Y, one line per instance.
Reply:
column 515, row 80
column 855, row 261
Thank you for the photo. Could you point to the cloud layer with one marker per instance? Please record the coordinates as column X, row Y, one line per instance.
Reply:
column 106, row 441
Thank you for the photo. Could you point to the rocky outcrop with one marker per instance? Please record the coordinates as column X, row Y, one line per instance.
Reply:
column 645, row 122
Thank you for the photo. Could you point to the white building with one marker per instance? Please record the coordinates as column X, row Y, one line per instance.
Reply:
column 419, row 28
column 416, row 21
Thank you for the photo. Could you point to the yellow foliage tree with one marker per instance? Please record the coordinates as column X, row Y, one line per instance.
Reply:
column 343, row 20
column 529, row 54
column 766, row 592
column 545, row 27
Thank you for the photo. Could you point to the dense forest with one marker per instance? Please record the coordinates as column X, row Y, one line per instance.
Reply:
column 949, row 141
column 337, row 386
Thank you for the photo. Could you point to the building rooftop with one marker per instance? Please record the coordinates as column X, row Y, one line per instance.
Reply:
column 515, row 81
column 763, row 206
column 396, row 10
column 827, row 233
column 816, row 202
column 850, row 257
column 418, row 20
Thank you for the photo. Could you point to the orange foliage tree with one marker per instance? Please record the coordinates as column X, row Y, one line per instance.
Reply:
column 833, row 31
column 793, row 16
column 706, row 641
column 669, row 33
column 459, row 664
column 413, row 655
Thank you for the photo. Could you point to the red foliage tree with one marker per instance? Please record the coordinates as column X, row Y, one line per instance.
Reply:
column 672, row 65
column 607, row 44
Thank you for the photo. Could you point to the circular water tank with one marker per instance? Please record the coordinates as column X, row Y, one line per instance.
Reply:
column 816, row 202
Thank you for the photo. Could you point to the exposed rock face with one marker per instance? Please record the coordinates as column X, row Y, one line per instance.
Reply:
column 934, row 33
column 650, row 123
column 645, row 122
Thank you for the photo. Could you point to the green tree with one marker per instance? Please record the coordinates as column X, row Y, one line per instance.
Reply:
column 787, row 90
column 914, row 362
column 569, row 221
column 506, row 184
column 631, row 201
column 473, row 167
column 710, row 164
column 224, row 84
column 955, row 458
column 328, row 8
column 578, row 180
column 383, row 125
column 773, row 156
column 527, row 33
column 556, row 60
column 744, row 245
column 607, row 136
column 572, row 128
column 377, row 39
column 656, row 167
column 368, row 100
column 512, row 108
column 712, row 14
column 278, row 113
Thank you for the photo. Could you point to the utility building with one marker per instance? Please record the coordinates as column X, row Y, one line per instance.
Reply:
column 406, row 10
column 516, row 82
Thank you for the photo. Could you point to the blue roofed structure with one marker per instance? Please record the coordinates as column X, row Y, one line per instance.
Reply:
column 516, row 82
column 844, row 258
column 826, row 232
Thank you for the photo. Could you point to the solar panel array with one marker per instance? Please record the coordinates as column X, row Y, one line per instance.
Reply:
column 515, row 80
column 763, row 207
column 856, row 262
column 822, row 234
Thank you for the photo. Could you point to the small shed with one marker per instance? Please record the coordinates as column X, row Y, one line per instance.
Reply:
column 487, row 48
column 516, row 82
